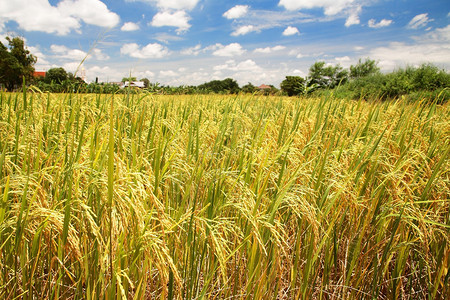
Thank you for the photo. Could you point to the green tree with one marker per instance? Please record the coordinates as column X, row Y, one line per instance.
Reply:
column 322, row 76
column 293, row 85
column 16, row 63
column 129, row 79
column 56, row 75
column 249, row 88
column 146, row 82
column 362, row 69
column 227, row 85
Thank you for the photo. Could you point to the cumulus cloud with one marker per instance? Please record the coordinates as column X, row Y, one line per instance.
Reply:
column 168, row 73
column 353, row 17
column 432, row 47
column 40, row 15
column 99, row 55
column 154, row 50
column 331, row 7
column 269, row 49
column 243, row 30
column 192, row 50
column 177, row 19
column 290, row 31
column 383, row 23
column 419, row 21
column 233, row 49
column 130, row 26
column 63, row 52
column 92, row 12
column 247, row 65
column 173, row 4
column 236, row 12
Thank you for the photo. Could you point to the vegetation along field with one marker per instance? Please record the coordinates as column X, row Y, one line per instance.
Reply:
column 144, row 196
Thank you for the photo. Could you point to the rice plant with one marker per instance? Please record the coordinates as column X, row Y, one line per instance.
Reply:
column 144, row 196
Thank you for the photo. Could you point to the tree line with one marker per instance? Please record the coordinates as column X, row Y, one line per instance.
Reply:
column 365, row 81
column 361, row 81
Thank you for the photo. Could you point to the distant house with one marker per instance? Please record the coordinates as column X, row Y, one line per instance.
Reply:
column 37, row 74
column 138, row 84
column 264, row 87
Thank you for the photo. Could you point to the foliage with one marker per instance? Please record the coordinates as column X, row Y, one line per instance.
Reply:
column 293, row 85
column 146, row 82
column 130, row 78
column 225, row 86
column 222, row 197
column 56, row 75
column 423, row 80
column 16, row 63
column 326, row 77
column 363, row 69
column 249, row 88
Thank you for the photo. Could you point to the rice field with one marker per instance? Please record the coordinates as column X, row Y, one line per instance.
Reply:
column 222, row 197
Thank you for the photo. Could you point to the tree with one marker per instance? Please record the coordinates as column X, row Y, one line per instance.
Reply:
column 16, row 63
column 129, row 79
column 362, row 69
column 227, row 85
column 326, row 76
column 56, row 75
column 146, row 82
column 249, row 88
column 293, row 85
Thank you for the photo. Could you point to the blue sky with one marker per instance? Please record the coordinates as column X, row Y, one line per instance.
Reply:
column 184, row 42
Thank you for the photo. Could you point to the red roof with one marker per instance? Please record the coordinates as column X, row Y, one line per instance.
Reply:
column 263, row 87
column 39, row 74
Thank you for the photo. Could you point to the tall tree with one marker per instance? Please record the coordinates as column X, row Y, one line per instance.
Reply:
column 323, row 76
column 362, row 69
column 293, row 85
column 146, row 82
column 16, row 63
column 56, row 75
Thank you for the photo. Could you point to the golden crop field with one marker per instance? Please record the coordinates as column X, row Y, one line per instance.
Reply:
column 222, row 197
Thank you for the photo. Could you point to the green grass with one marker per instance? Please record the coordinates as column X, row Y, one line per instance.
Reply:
column 227, row 197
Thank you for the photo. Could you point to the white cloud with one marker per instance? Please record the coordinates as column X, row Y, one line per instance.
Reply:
column 419, row 21
column 290, row 31
column 299, row 73
column 63, row 52
column 233, row 49
column 244, row 66
column 40, row 15
column 331, row 7
column 432, row 47
column 269, row 49
column 353, row 18
column 130, row 26
column 175, row 19
column 383, row 23
column 174, row 4
column 150, row 51
column 236, row 12
column 342, row 59
column 145, row 74
column 243, row 30
column 192, row 50
column 104, row 74
column 438, row 36
column 358, row 48
column 99, row 55
column 166, row 37
column 93, row 12
column 168, row 73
